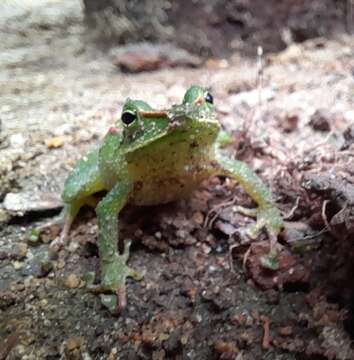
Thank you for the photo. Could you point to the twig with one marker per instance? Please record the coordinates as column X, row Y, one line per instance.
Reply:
column 324, row 216
column 260, row 74
column 290, row 214
column 245, row 258
column 266, row 333
column 216, row 209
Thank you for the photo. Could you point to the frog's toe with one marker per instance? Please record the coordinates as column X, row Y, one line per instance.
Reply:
column 254, row 230
column 115, row 303
column 270, row 260
column 268, row 217
column 245, row 211
column 113, row 279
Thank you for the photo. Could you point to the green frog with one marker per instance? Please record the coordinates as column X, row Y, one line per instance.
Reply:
column 153, row 157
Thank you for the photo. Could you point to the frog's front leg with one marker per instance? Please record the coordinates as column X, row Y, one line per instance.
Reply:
column 114, row 270
column 268, row 216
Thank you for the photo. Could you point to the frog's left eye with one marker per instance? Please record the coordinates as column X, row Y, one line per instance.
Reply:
column 128, row 117
column 208, row 98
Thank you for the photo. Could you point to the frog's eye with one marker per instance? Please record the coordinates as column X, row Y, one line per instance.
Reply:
column 208, row 98
column 128, row 117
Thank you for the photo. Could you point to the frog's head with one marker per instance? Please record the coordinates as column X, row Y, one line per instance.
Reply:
column 144, row 125
column 196, row 95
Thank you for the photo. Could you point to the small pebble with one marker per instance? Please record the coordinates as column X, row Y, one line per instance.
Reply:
column 198, row 217
column 286, row 331
column 60, row 264
column 73, row 343
column 18, row 265
column 72, row 281
column 54, row 142
column 321, row 120
column 46, row 267
column 33, row 237
column 21, row 250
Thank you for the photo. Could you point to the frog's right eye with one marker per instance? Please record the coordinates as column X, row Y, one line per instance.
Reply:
column 208, row 98
column 128, row 117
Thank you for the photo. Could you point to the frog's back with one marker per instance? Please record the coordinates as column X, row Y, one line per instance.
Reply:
column 84, row 179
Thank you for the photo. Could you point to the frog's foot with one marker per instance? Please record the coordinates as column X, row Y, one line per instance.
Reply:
column 268, row 217
column 113, row 278
column 62, row 240
column 245, row 211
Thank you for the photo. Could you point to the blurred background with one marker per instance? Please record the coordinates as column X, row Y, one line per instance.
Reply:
column 217, row 27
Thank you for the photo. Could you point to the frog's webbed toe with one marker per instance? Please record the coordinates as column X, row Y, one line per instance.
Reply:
column 251, row 212
column 268, row 217
column 113, row 279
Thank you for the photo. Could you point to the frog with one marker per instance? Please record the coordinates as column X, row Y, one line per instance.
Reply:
column 151, row 157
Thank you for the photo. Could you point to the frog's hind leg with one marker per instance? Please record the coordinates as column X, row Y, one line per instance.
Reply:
column 267, row 214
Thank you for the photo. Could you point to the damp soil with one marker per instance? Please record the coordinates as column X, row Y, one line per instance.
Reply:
column 204, row 294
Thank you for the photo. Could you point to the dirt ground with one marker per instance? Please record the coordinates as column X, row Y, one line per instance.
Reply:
column 200, row 298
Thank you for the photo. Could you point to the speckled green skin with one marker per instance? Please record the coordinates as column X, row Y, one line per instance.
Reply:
column 158, row 158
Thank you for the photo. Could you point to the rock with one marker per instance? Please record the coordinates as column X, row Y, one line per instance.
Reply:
column 24, row 202
column 288, row 271
column 148, row 57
